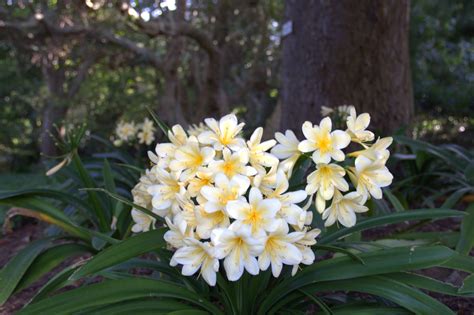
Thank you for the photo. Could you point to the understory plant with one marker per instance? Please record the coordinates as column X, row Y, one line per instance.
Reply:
column 225, row 225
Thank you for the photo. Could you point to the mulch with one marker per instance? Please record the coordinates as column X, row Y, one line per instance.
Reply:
column 13, row 242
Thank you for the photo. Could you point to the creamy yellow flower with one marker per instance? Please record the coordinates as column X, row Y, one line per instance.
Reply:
column 266, row 178
column 196, row 130
column 190, row 158
column 126, row 130
column 304, row 245
column 287, row 150
column 239, row 249
column 164, row 194
column 344, row 209
column 204, row 177
column 325, row 180
column 290, row 211
column 378, row 150
column 356, row 126
column 148, row 125
column 224, row 133
column 257, row 150
column 279, row 249
column 223, row 191
column 370, row 176
column 258, row 213
column 195, row 255
column 323, row 142
column 177, row 232
column 146, row 137
column 177, row 135
column 233, row 164
column 142, row 221
column 208, row 221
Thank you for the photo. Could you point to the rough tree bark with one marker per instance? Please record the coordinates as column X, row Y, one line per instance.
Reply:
column 347, row 52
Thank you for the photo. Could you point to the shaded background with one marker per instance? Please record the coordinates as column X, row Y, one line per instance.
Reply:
column 61, row 62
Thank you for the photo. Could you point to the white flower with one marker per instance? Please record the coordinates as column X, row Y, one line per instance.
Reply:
column 356, row 126
column 233, row 164
column 177, row 233
column 378, row 150
column 148, row 125
column 196, row 130
column 257, row 154
column 265, row 180
column 258, row 213
column 304, row 245
column 279, row 249
column 224, row 191
column 164, row 194
column 325, row 180
column 223, row 133
column 287, row 150
column 290, row 211
column 208, row 221
column 189, row 158
column 194, row 255
column 143, row 222
column 239, row 249
column 146, row 137
column 177, row 135
column 326, row 111
column 323, row 142
column 126, row 130
column 204, row 177
column 344, row 208
column 370, row 176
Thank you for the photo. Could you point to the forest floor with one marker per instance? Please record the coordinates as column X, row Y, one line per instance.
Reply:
column 12, row 243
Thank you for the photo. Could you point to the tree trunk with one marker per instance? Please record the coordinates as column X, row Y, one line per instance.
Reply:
column 52, row 114
column 54, row 111
column 347, row 52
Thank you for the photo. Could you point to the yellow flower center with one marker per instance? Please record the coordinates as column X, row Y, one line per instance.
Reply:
column 225, row 137
column 228, row 168
column 324, row 143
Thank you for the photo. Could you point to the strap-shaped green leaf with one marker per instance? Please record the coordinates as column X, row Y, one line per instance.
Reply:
column 466, row 241
column 376, row 263
column 397, row 292
column 114, row 291
column 142, row 306
column 48, row 260
column 397, row 217
column 14, row 270
column 123, row 251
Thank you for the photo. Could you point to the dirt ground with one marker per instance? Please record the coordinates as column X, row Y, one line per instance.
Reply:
column 11, row 243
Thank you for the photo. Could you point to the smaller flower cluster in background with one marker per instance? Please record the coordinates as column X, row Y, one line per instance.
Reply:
column 128, row 131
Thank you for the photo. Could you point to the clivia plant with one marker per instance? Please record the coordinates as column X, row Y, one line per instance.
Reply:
column 236, row 226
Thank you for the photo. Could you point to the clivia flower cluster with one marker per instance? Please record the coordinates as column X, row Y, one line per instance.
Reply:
column 228, row 200
column 129, row 131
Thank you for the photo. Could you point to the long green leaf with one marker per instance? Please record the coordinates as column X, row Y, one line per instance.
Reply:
column 45, row 211
column 425, row 283
column 466, row 241
column 13, row 272
column 141, row 306
column 123, row 251
column 408, row 215
column 338, row 250
column 48, row 260
column 370, row 309
column 94, row 200
column 376, row 263
column 114, row 291
column 399, row 293
column 467, row 286
column 159, row 122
